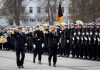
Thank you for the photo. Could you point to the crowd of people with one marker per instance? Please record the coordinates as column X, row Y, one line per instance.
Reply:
column 76, row 41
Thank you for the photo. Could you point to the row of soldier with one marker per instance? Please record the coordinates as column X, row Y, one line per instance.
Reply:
column 81, row 41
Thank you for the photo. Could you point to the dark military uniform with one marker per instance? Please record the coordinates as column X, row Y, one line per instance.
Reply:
column 20, row 40
column 52, row 44
column 98, row 45
column 72, row 42
column 45, row 48
column 38, row 40
column 29, row 41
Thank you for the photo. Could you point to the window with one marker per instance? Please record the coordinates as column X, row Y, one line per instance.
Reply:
column 46, row 10
column 23, row 9
column 32, row 20
column 25, row 20
column 62, row 9
column 31, row 9
column 38, row 10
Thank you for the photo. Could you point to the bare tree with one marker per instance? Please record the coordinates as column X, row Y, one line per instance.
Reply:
column 51, row 10
column 85, row 10
column 12, row 9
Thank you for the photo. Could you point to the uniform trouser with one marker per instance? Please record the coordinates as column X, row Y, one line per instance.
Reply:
column 77, row 50
column 53, row 53
column 18, row 53
column 81, row 50
column 94, row 51
column 12, row 47
column 89, row 51
column 98, row 51
column 85, row 51
column 45, row 50
column 29, row 48
column 39, row 55
column 0, row 46
column 38, row 50
column 5, row 46
column 68, row 49
column 73, row 50
column 61, row 51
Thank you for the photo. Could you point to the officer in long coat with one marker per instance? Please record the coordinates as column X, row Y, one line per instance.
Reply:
column 20, row 40
column 52, row 44
column 38, row 41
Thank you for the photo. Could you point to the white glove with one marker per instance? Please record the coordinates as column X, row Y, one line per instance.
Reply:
column 34, row 46
column 42, row 45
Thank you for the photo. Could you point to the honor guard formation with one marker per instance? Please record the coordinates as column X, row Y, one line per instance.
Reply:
column 74, row 41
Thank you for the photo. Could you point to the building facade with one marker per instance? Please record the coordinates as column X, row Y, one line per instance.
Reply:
column 35, row 12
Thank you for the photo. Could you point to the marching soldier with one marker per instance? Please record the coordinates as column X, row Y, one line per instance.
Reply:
column 73, row 41
column 38, row 41
column 77, row 42
column 63, row 41
column 98, row 47
column 45, row 48
column 29, row 41
column 52, row 44
column 20, row 40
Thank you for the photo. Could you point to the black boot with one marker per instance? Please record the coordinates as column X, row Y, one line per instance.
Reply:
column 40, row 62
column 54, row 64
column 33, row 60
column 49, row 63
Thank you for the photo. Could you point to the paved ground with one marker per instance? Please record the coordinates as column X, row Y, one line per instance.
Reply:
column 8, row 62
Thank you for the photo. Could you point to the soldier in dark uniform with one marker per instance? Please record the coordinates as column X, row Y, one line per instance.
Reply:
column 73, row 41
column 20, row 40
column 11, row 41
column 85, row 40
column 64, row 42
column 89, row 42
column 81, row 34
column 59, row 39
column 45, row 48
column 93, row 43
column 52, row 44
column 77, row 42
column 38, row 40
column 90, row 54
column 67, row 37
column 98, row 45
column 29, row 41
